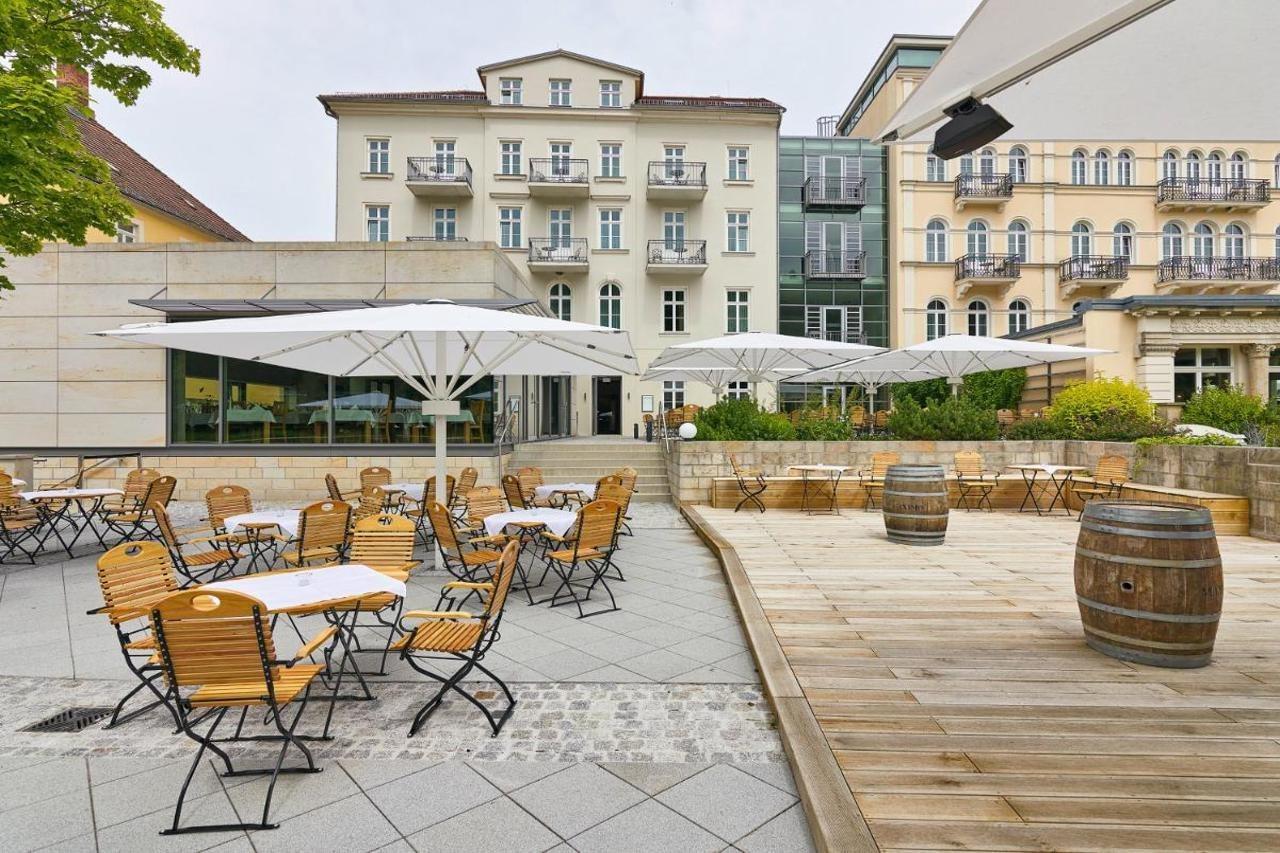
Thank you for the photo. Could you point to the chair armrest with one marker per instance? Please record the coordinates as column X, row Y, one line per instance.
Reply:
column 309, row 648
column 436, row 614
column 481, row 585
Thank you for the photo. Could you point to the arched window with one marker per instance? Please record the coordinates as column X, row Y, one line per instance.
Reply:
column 1079, row 166
column 976, row 238
column 1278, row 242
column 935, row 168
column 1019, row 316
column 1193, row 166
column 1102, row 168
column 1213, row 167
column 1081, row 239
column 1171, row 240
column 1275, row 178
column 966, row 164
column 1239, row 167
column 611, row 305
column 935, row 319
column 1202, row 240
column 935, row 241
column 1124, row 169
column 1233, row 241
column 1169, row 165
column 987, row 162
column 979, row 317
column 1018, row 239
column 1018, row 164
column 561, row 301
column 1122, row 241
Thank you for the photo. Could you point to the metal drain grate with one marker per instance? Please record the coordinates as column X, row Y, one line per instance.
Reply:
column 70, row 720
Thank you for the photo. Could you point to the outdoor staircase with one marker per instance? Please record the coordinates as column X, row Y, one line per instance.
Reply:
column 582, row 460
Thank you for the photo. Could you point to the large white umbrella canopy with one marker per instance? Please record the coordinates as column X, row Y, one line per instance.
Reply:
column 439, row 348
column 717, row 377
column 868, row 378
column 1085, row 70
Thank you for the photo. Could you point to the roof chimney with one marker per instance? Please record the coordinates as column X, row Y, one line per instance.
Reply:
column 74, row 77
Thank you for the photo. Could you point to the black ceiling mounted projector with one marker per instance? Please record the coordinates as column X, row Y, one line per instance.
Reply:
column 972, row 125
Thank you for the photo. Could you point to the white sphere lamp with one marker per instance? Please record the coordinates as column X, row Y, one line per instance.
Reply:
column 688, row 431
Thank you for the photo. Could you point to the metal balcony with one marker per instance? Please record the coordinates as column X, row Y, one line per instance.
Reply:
column 1224, row 274
column 676, row 257
column 1215, row 194
column 827, row 193
column 830, row 265
column 677, row 179
column 439, row 177
column 977, row 270
column 983, row 190
column 558, row 254
column 1098, row 271
column 558, row 177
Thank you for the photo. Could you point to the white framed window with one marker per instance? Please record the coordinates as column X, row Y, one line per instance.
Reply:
column 1019, row 316
column 446, row 162
column 511, row 90
column 444, row 222
column 1233, row 241
column 833, row 323
column 673, row 306
column 673, row 161
column 561, row 301
column 1081, row 239
column 739, row 231
column 987, row 162
column 737, row 311
column 1018, row 239
column 610, row 228
column 1275, row 174
column 1079, row 167
column 935, row 241
column 1018, row 164
column 1171, row 240
column 738, row 163
column 935, row 319
column 935, row 168
column 610, row 93
column 1122, row 241
column 966, row 164
column 1101, row 168
column 672, row 394
column 511, row 153
column 1202, row 240
column 978, row 315
column 1192, row 166
column 611, row 305
column 1278, row 242
column 129, row 232
column 377, row 222
column 1213, row 167
column 673, row 229
column 561, row 154
column 737, row 390
column 1124, row 169
column 1239, row 167
column 379, row 156
column 561, row 93
column 977, row 238
column 560, row 226
column 1169, row 165
column 1194, row 368
column 511, row 227
column 610, row 160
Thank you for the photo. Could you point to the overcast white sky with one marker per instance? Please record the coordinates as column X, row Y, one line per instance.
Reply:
column 249, row 138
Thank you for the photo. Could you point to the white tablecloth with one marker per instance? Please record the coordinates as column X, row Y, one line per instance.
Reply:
column 287, row 590
column 411, row 490
column 558, row 521
column 820, row 469
column 549, row 489
column 63, row 494
column 287, row 520
column 17, row 481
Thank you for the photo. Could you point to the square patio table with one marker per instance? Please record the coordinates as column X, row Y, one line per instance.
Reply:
column 818, row 474
column 55, row 506
column 1057, row 477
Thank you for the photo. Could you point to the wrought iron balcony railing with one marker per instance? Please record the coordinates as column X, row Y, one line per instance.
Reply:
column 822, row 190
column 429, row 238
column 557, row 170
column 1093, row 268
column 1195, row 268
column 678, row 252
column 1224, row 190
column 824, row 264
column 984, row 186
column 439, row 170
column 550, row 250
column 998, row 267
column 677, row 173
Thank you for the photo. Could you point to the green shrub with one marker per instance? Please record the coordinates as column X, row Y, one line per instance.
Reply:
column 741, row 420
column 1229, row 408
column 996, row 389
column 1035, row 429
column 953, row 419
column 1105, row 410
column 1119, row 425
column 1189, row 440
column 922, row 393
column 824, row 429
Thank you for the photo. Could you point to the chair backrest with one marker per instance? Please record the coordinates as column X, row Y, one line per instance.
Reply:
column 165, row 525
column 214, row 638
column 483, row 502
column 882, row 419
column 8, row 494
column 466, row 481
column 383, row 541
column 881, row 461
column 733, row 463
column 375, row 477
column 323, row 525
column 1111, row 469
column 629, row 476
column 529, row 477
column 331, row 486
column 615, row 492
column 442, row 527
column 372, row 500
column 1005, row 417
column 136, row 482
column 674, row 417
column 512, row 491
column 858, row 416
column 598, row 525
column 429, row 488
column 159, row 491
column 690, row 411
column 222, row 502
column 608, row 479
column 135, row 574
column 969, row 463
column 502, row 576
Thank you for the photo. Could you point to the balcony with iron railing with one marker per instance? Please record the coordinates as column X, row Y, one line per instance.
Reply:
column 1092, row 271
column 439, row 177
column 826, row 192
column 819, row 263
column 983, row 189
column 430, row 238
column 677, row 179
column 676, row 257
column 1211, row 193
column 558, row 177
column 1193, row 272
column 558, row 254
column 976, row 270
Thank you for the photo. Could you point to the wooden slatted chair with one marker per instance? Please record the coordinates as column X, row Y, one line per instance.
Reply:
column 629, row 476
column 134, row 488
column 223, row 502
column 881, row 420
column 751, row 484
column 20, row 523
column 458, row 494
column 460, row 637
column 872, row 481
column 1109, row 477
column 587, row 548
column 322, row 534
column 373, row 500
column 133, row 576
column 215, row 560
column 463, row 558
column 530, row 479
column 218, row 645
column 417, row 509
column 858, row 418
column 136, row 521
column 1005, row 418
column 973, row 480
column 381, row 477
column 336, row 494
column 483, row 502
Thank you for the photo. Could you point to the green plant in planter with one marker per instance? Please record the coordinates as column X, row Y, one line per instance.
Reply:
column 1229, row 408
column 953, row 419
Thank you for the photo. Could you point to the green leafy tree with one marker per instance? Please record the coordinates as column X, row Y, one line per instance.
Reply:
column 51, row 187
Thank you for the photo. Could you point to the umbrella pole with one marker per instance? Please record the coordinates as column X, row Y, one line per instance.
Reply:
column 442, row 423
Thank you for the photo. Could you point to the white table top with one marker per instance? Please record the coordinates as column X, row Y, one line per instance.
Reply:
column 288, row 590
column 286, row 520
column 17, row 481
column 63, row 494
column 1048, row 469
column 548, row 489
column 411, row 490
column 825, row 469
column 558, row 521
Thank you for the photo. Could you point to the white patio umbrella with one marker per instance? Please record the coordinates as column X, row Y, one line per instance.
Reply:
column 1084, row 69
column 438, row 348
column 717, row 377
column 953, row 357
column 761, row 356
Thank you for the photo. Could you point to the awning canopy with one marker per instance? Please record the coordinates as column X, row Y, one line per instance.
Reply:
column 1095, row 70
column 211, row 308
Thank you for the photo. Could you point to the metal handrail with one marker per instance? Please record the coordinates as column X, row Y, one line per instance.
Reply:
column 690, row 252
column 430, row 239
column 564, row 249
column 441, row 169
column 1192, row 267
column 823, row 189
column 981, row 185
column 1093, row 267
column 677, row 173
column 1213, row 189
column 988, row 266
column 836, row 264
column 557, row 170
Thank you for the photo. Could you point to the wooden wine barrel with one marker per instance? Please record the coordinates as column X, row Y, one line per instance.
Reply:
column 915, row 504
column 1149, row 582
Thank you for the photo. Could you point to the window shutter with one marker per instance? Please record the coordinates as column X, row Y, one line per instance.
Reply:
column 812, row 165
column 853, row 167
column 852, row 324
column 852, row 237
column 813, row 321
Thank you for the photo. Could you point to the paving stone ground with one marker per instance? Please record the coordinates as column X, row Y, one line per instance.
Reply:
column 639, row 730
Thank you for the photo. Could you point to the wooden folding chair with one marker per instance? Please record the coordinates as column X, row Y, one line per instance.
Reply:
column 530, row 479
column 751, row 491
column 416, row 509
column 133, row 576
column 216, row 560
column 460, row 557
column 973, row 480
column 1109, row 477
column 223, row 502
column 336, row 494
column 872, row 481
column 322, row 534
column 858, row 418
column 137, row 520
column 134, row 488
column 588, row 548
column 219, row 644
column 381, row 477
column 459, row 636
column 20, row 522
column 373, row 500
column 466, row 482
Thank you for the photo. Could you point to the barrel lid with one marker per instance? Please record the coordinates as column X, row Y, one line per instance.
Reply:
column 1147, row 512
column 915, row 469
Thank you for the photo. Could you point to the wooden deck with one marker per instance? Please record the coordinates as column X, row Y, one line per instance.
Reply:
column 954, row 688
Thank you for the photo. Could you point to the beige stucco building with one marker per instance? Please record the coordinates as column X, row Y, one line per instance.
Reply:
column 649, row 213
column 1167, row 252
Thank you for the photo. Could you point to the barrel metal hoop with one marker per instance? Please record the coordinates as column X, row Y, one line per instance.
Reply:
column 1147, row 534
column 1194, row 618
column 1148, row 658
column 1132, row 511
column 916, row 494
column 1148, row 561
column 1207, row 645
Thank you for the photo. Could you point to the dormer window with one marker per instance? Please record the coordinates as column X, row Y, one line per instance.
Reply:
column 561, row 95
column 512, row 90
column 610, row 93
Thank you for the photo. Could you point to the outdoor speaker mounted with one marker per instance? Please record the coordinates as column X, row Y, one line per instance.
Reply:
column 972, row 125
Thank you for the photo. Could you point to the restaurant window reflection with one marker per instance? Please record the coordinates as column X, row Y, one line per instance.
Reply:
column 194, row 397
column 267, row 404
column 384, row 410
